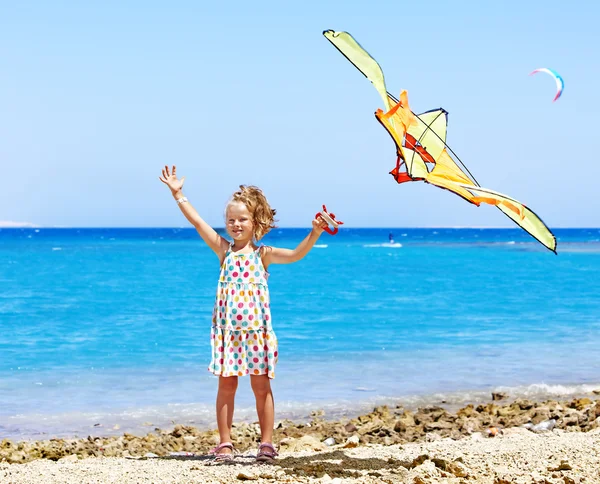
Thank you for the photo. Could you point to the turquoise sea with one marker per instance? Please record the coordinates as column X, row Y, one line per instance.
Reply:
column 107, row 330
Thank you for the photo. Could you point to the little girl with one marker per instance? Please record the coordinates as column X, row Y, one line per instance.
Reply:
column 242, row 336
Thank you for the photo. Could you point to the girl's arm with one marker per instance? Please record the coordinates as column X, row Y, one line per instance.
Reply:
column 217, row 243
column 274, row 255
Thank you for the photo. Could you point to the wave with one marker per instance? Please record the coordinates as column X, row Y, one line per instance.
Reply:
column 385, row 244
column 320, row 246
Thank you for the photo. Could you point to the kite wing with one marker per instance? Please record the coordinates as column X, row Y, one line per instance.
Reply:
column 361, row 59
column 422, row 152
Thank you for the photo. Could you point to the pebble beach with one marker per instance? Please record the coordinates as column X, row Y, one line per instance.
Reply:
column 503, row 441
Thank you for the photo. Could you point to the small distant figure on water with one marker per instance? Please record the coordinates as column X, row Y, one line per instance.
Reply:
column 243, row 340
column 391, row 238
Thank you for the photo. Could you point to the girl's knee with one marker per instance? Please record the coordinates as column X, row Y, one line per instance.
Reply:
column 228, row 384
column 260, row 384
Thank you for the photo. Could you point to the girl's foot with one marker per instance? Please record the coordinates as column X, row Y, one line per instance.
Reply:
column 223, row 452
column 266, row 452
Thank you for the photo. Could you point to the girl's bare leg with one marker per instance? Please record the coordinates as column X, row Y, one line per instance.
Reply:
column 265, row 406
column 225, row 406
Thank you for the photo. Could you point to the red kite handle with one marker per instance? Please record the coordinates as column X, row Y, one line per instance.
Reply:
column 330, row 219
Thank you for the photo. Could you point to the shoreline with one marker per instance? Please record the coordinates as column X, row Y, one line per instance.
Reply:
column 140, row 420
column 380, row 435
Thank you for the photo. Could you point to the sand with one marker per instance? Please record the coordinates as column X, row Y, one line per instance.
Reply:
column 517, row 456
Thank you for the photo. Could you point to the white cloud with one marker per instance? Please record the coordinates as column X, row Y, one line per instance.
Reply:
column 11, row 224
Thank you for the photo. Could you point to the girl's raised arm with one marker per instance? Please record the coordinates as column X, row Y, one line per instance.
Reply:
column 217, row 243
column 274, row 255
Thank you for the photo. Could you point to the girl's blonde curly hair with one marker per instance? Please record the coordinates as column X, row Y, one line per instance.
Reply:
column 263, row 216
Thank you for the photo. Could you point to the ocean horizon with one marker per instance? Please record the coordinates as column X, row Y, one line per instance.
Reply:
column 106, row 330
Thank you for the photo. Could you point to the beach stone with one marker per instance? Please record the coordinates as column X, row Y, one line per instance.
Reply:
column 306, row 442
column 490, row 409
column 439, row 425
column 433, row 437
column 541, row 414
column 524, row 404
column 405, row 422
column 496, row 396
column 69, row 458
column 563, row 466
column 580, row 403
column 595, row 424
column 246, row 476
column 352, row 442
column 468, row 411
column 513, row 431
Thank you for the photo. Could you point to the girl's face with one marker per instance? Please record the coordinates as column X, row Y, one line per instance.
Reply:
column 239, row 222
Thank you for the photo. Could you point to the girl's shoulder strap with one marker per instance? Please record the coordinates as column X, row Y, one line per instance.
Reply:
column 262, row 249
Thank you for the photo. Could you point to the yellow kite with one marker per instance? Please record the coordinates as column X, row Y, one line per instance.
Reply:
column 422, row 152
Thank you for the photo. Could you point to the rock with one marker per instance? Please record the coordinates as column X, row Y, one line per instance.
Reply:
column 439, row 425
column 306, row 442
column 563, row 466
column 350, row 427
column 432, row 437
column 405, row 422
column 580, row 403
column 468, row 411
column 352, row 442
column 544, row 426
column 523, row 404
column 246, row 476
column 515, row 431
column 496, row 396
column 330, row 441
column 456, row 467
column 69, row 458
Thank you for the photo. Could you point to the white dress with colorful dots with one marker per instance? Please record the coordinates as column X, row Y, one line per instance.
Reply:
column 243, row 340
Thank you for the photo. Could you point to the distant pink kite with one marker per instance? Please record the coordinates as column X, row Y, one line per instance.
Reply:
column 560, row 84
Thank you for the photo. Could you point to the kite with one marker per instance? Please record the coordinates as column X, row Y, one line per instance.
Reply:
column 421, row 149
column 560, row 84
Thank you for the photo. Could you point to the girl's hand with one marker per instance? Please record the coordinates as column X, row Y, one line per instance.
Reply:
column 170, row 179
column 319, row 225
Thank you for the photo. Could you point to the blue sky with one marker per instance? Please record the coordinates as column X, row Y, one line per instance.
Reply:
column 95, row 97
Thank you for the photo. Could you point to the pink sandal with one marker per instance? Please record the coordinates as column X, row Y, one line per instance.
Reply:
column 266, row 453
column 223, row 456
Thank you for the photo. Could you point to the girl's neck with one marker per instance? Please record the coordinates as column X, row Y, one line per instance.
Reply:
column 243, row 246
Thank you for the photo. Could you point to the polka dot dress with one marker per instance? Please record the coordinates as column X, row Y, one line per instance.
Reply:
column 243, row 340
